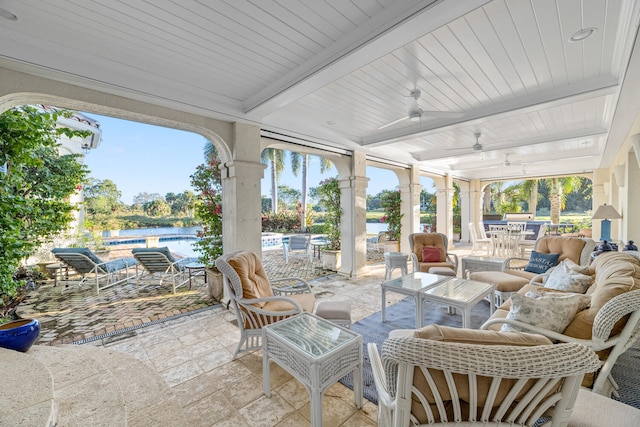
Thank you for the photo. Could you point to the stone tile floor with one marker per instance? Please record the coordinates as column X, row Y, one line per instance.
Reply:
column 192, row 352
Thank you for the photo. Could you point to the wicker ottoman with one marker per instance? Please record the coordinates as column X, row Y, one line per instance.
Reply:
column 505, row 284
column 338, row 312
column 442, row 271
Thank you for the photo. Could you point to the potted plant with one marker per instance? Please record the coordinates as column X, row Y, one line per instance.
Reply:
column 329, row 197
column 391, row 201
column 208, row 185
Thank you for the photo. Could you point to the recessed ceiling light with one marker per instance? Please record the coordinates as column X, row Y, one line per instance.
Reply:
column 331, row 122
column 582, row 34
column 8, row 15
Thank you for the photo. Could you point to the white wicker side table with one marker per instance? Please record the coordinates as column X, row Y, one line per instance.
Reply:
column 317, row 353
column 393, row 260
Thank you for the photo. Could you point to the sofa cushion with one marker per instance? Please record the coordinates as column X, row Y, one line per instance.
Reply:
column 564, row 278
column 540, row 262
column 255, row 283
column 567, row 247
column 552, row 311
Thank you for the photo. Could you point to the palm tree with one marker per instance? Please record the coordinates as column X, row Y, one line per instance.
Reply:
column 297, row 160
column 558, row 190
column 275, row 158
column 530, row 190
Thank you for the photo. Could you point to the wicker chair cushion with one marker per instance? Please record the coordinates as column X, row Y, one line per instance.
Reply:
column 467, row 336
column 421, row 240
column 307, row 301
column 255, row 283
column 479, row 336
column 567, row 247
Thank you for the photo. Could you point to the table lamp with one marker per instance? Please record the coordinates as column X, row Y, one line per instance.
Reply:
column 606, row 212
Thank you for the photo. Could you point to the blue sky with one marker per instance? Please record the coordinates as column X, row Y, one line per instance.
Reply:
column 143, row 158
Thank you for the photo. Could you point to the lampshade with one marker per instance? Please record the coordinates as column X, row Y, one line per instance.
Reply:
column 606, row 212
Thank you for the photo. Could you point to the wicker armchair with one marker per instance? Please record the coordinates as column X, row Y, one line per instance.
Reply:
column 418, row 241
column 253, row 299
column 422, row 381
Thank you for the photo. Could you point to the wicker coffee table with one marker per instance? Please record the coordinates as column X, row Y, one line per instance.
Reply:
column 317, row 353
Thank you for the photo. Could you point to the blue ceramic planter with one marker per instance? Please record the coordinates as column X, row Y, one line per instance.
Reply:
column 19, row 335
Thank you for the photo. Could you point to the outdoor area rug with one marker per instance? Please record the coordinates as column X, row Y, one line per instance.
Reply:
column 402, row 316
column 626, row 372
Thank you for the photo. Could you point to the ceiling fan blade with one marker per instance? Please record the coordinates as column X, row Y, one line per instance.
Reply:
column 393, row 122
column 443, row 114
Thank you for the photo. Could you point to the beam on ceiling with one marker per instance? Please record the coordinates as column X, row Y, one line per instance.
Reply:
column 557, row 138
column 601, row 86
column 391, row 29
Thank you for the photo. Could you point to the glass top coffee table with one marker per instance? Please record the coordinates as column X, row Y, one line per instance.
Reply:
column 454, row 292
column 317, row 353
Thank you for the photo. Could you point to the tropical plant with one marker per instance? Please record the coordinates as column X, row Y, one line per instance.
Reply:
column 299, row 161
column 207, row 183
column 329, row 195
column 391, row 203
column 35, row 185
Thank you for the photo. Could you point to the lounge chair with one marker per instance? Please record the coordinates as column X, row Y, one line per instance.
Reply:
column 160, row 262
column 84, row 261
column 298, row 244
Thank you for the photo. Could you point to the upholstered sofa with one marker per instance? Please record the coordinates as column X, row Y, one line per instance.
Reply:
column 515, row 274
column 607, row 319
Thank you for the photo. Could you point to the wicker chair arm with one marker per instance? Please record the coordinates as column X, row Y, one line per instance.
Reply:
column 379, row 377
column 298, row 286
column 552, row 335
column 453, row 258
column 610, row 313
column 415, row 263
column 507, row 263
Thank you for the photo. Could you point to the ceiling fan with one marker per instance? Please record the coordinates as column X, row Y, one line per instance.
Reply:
column 477, row 147
column 415, row 112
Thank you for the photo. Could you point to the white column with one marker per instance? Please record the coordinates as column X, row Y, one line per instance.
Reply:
column 466, row 211
column 410, row 207
column 241, row 192
column 444, row 210
column 353, row 227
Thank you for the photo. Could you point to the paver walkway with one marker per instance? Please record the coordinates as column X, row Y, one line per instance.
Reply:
column 77, row 314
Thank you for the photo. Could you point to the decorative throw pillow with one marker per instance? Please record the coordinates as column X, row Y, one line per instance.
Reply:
column 431, row 254
column 563, row 278
column 552, row 311
column 582, row 269
column 540, row 262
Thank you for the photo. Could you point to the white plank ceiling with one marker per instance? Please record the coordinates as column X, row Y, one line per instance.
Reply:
column 337, row 71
